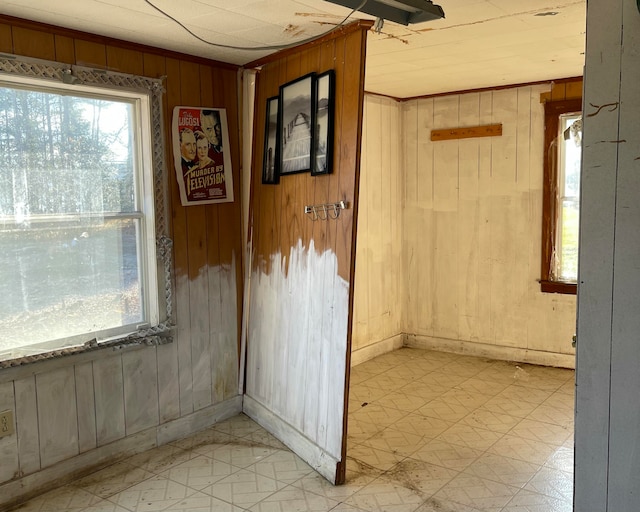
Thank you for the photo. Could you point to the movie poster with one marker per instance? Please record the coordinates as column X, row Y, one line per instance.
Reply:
column 201, row 154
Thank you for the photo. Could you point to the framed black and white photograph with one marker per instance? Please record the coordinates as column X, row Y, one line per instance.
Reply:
column 323, row 140
column 297, row 125
column 270, row 175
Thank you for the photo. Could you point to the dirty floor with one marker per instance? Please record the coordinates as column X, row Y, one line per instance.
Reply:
column 428, row 432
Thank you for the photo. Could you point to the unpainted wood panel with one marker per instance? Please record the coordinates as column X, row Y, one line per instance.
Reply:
column 27, row 418
column 57, row 416
column 33, row 43
column 124, row 60
column 6, row 38
column 65, row 49
column 90, row 54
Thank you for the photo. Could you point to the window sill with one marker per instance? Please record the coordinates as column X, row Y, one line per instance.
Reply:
column 558, row 287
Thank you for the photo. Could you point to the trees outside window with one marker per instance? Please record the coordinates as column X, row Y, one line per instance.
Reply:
column 77, row 251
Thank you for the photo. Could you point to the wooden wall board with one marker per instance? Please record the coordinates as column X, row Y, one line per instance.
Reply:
column 301, row 269
column 57, row 416
column 140, row 386
column 469, row 224
column 31, row 42
column 6, row 38
column 26, row 415
column 65, row 49
column 86, row 404
column 467, row 132
column 108, row 386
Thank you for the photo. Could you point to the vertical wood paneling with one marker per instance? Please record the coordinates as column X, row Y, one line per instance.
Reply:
column 65, row 50
column 108, row 384
column 140, row 383
column 468, row 225
column 27, row 418
column 10, row 466
column 118, row 395
column 299, row 311
column 57, row 416
column 485, row 199
column 377, row 301
column 86, row 404
column 33, row 43
column 89, row 53
column 470, row 217
column 6, row 38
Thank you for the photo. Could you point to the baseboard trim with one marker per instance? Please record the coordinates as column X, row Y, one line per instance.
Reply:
column 301, row 445
column 22, row 489
column 503, row 353
column 377, row 349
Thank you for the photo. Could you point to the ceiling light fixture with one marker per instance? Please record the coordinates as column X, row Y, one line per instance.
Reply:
column 398, row 11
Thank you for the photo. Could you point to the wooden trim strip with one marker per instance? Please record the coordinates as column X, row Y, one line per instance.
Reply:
column 558, row 287
column 484, row 89
column 488, row 130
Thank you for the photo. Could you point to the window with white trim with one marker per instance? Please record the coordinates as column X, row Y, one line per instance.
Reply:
column 78, row 229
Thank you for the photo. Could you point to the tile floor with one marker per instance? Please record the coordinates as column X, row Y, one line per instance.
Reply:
column 428, row 431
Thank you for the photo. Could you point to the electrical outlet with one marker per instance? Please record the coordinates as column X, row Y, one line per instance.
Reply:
column 6, row 423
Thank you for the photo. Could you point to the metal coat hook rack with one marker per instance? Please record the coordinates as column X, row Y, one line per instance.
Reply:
column 325, row 211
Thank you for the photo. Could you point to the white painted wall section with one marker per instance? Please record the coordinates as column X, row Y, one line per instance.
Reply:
column 297, row 342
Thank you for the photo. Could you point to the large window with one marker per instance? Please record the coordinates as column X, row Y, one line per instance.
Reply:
column 563, row 134
column 77, row 224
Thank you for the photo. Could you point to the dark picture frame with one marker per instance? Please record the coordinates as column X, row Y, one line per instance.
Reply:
column 296, row 123
column 270, row 159
column 323, row 117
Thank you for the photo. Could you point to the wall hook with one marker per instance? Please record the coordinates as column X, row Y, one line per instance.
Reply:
column 325, row 211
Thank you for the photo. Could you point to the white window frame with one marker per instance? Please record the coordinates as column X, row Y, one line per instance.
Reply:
column 155, row 262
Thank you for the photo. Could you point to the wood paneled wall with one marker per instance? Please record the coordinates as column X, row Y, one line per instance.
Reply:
column 301, row 293
column 472, row 221
column 379, row 284
column 83, row 404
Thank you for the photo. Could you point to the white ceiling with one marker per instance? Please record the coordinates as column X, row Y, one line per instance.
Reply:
column 480, row 43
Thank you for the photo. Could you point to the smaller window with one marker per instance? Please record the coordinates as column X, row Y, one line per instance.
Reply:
column 561, row 196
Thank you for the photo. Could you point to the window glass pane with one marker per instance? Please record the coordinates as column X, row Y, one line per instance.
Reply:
column 72, row 227
column 68, row 278
column 64, row 154
column 569, row 191
column 569, row 245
